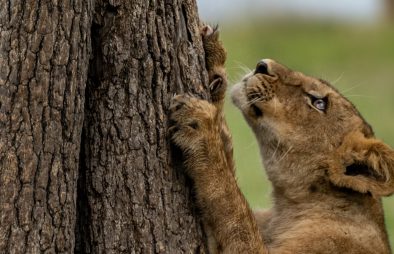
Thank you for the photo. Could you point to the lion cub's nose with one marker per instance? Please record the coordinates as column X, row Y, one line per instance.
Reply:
column 261, row 68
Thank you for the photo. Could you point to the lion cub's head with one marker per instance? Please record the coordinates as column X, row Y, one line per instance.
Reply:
column 309, row 133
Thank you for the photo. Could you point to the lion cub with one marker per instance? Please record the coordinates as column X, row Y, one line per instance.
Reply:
column 327, row 170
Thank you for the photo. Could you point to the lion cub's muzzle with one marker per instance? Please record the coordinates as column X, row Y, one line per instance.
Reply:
column 256, row 88
column 260, row 86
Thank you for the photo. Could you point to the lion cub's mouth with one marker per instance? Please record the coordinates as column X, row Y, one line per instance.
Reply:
column 257, row 112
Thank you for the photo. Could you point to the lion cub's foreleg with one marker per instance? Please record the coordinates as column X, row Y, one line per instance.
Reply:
column 215, row 58
column 224, row 209
column 200, row 131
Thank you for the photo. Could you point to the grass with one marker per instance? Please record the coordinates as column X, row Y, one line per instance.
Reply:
column 360, row 61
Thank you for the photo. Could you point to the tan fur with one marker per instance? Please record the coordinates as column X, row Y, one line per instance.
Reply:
column 327, row 170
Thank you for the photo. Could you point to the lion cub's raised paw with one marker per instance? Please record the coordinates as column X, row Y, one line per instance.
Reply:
column 215, row 54
column 191, row 120
column 215, row 58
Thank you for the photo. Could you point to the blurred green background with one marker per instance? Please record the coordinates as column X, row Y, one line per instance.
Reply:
column 357, row 57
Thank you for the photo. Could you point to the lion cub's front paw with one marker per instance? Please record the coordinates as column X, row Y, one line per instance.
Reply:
column 215, row 54
column 192, row 120
column 215, row 57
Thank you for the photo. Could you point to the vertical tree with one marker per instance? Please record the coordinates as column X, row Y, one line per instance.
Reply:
column 144, row 52
column 108, row 139
column 44, row 58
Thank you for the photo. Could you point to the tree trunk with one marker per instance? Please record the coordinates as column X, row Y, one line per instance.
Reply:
column 137, row 200
column 91, row 171
column 44, row 57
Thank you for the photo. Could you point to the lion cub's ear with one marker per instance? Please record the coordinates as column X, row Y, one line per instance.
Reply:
column 364, row 165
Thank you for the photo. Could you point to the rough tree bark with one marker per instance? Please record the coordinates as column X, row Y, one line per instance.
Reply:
column 144, row 52
column 44, row 57
column 110, row 140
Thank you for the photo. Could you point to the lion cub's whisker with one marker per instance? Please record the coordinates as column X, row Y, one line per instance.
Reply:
column 361, row 95
column 349, row 89
column 338, row 79
column 276, row 149
column 285, row 154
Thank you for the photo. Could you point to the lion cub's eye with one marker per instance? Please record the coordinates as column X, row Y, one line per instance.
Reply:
column 319, row 103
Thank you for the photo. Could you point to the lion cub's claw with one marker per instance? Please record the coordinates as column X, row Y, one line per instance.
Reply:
column 206, row 30
column 218, row 88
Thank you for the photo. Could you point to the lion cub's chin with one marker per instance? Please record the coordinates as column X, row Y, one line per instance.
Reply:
column 238, row 96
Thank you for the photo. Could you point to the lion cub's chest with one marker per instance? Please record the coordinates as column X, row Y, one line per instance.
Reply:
column 314, row 234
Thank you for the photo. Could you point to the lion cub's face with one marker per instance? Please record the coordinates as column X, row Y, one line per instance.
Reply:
column 296, row 109
column 304, row 123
